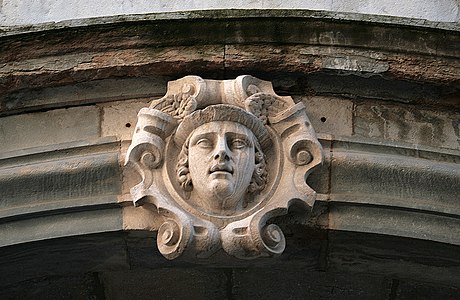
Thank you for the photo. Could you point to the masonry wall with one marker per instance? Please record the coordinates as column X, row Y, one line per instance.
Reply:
column 381, row 92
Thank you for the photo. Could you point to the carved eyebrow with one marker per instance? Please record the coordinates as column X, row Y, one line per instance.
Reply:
column 207, row 135
column 244, row 137
column 229, row 135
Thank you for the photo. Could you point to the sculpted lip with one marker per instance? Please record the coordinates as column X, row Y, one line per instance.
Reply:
column 221, row 168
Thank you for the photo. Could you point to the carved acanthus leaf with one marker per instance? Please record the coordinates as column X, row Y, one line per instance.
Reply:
column 177, row 105
column 264, row 105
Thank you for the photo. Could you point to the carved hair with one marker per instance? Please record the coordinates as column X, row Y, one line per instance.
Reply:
column 258, row 180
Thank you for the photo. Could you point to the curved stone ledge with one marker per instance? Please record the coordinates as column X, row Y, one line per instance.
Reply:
column 366, row 188
column 71, row 189
column 394, row 190
column 395, row 222
column 61, row 225
column 10, row 29
column 293, row 43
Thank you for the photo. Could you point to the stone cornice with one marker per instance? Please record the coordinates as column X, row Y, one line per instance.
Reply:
column 43, row 67
column 231, row 14
column 418, row 183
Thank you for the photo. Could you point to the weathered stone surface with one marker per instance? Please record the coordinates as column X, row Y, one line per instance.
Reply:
column 407, row 124
column 407, row 290
column 354, row 63
column 306, row 284
column 166, row 283
column 329, row 115
column 332, row 55
column 85, row 286
column 402, row 179
column 395, row 193
column 127, row 49
column 61, row 225
column 69, row 256
column 119, row 119
column 60, row 192
column 60, row 177
column 47, row 128
column 106, row 64
column 54, row 179
column 394, row 257
column 106, row 90
column 356, row 87
column 391, row 221
column 15, row 12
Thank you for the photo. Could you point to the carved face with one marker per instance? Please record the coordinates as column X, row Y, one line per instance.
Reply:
column 221, row 164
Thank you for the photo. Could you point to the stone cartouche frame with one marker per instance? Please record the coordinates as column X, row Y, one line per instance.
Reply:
column 218, row 160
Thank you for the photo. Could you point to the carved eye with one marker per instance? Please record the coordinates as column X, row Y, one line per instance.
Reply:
column 238, row 144
column 204, row 143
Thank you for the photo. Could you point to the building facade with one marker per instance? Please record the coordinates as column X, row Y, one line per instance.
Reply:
column 380, row 86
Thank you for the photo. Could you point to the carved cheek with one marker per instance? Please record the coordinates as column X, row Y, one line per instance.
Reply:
column 197, row 159
column 244, row 166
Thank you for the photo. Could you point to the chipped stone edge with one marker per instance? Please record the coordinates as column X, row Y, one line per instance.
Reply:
column 230, row 14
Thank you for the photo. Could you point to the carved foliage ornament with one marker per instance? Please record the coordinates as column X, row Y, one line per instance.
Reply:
column 218, row 160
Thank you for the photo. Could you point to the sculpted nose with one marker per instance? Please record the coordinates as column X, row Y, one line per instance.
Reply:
column 221, row 152
column 221, row 155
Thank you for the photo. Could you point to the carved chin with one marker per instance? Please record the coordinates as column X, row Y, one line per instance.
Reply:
column 222, row 188
column 223, row 195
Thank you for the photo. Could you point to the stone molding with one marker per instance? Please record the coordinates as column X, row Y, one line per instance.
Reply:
column 234, row 214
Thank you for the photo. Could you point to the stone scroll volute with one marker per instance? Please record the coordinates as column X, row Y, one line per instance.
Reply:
column 218, row 160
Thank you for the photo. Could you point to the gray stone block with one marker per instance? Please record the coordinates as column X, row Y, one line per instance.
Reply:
column 405, row 124
column 330, row 115
column 120, row 118
column 47, row 128
column 96, row 91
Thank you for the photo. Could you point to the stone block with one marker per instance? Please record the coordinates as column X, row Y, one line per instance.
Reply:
column 407, row 124
column 168, row 283
column 60, row 225
column 97, row 91
column 330, row 115
column 394, row 257
column 416, row 290
column 84, row 286
column 47, row 128
column 60, row 258
column 394, row 180
column 392, row 221
column 120, row 118
column 288, row 284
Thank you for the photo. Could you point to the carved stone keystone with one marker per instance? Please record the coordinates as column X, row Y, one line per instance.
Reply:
column 218, row 160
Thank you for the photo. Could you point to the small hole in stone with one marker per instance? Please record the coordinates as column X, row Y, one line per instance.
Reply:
column 128, row 125
column 323, row 119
